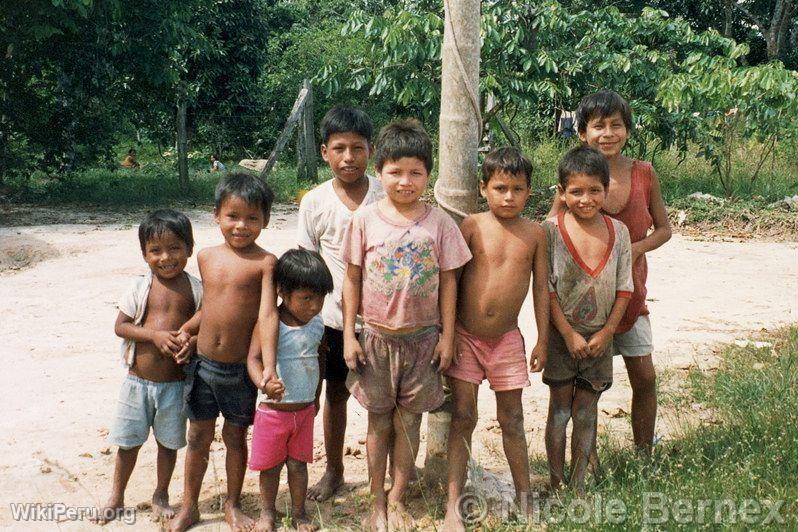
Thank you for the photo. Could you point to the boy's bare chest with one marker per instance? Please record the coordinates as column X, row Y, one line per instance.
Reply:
column 164, row 302
column 236, row 279
column 496, row 250
column 591, row 249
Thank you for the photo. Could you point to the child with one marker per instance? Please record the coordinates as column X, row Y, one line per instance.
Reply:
column 324, row 214
column 130, row 160
column 283, row 431
column 507, row 248
column 590, row 278
column 604, row 121
column 237, row 277
column 152, row 394
column 401, row 258
column 216, row 164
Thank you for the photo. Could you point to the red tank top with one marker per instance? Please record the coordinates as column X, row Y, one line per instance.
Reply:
column 636, row 215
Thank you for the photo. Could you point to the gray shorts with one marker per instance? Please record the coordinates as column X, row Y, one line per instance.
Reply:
column 143, row 404
column 562, row 368
column 636, row 342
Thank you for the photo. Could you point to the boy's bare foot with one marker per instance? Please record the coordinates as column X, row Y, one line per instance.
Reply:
column 452, row 522
column 109, row 512
column 185, row 518
column 326, row 486
column 160, row 507
column 236, row 519
column 377, row 521
column 398, row 518
column 266, row 522
column 303, row 523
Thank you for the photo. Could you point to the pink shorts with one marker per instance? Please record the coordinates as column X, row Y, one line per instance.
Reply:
column 502, row 360
column 279, row 435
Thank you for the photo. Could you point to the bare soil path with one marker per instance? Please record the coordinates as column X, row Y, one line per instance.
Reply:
column 58, row 386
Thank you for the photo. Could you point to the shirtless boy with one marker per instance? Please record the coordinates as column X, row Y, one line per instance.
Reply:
column 508, row 249
column 590, row 278
column 152, row 394
column 237, row 277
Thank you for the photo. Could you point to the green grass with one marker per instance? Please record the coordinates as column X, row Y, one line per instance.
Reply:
column 747, row 452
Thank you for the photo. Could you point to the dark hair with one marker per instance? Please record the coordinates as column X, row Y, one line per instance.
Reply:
column 302, row 268
column 159, row 222
column 602, row 104
column 403, row 138
column 584, row 160
column 247, row 187
column 345, row 120
column 506, row 159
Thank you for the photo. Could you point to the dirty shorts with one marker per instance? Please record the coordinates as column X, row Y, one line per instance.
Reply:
column 502, row 360
column 278, row 435
column 637, row 341
column 398, row 372
column 213, row 387
column 143, row 404
column 588, row 373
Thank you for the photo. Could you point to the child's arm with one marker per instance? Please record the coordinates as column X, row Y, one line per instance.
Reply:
column 540, row 298
column 662, row 226
column 322, row 367
column 574, row 341
column 274, row 387
column 557, row 204
column 447, row 301
column 268, row 320
column 353, row 353
column 598, row 343
column 187, row 337
column 167, row 342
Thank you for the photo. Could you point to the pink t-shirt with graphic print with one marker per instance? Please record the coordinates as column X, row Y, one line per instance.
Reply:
column 401, row 264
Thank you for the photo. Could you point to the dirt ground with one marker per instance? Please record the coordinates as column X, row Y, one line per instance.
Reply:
column 59, row 285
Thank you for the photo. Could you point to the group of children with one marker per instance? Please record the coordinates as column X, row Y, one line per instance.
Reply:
column 383, row 297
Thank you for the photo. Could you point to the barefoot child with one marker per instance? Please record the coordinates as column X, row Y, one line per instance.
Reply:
column 401, row 258
column 283, row 430
column 237, row 277
column 324, row 215
column 590, row 278
column 156, row 305
column 507, row 248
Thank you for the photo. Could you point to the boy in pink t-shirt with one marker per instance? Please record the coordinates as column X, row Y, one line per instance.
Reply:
column 401, row 257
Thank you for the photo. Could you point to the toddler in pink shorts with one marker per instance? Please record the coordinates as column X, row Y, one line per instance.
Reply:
column 287, row 403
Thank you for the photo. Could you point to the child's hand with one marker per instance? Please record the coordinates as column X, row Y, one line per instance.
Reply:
column 353, row 354
column 537, row 358
column 577, row 345
column 599, row 342
column 167, row 342
column 274, row 389
column 444, row 351
column 317, row 406
column 183, row 337
column 182, row 356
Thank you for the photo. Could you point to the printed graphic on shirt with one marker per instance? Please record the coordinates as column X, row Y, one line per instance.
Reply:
column 404, row 265
column 587, row 307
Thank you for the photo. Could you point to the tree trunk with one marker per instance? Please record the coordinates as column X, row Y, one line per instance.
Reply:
column 460, row 122
column 182, row 154
column 456, row 187
column 311, row 169
column 728, row 11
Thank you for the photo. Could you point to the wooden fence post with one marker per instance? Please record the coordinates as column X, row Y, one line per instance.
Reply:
column 311, row 153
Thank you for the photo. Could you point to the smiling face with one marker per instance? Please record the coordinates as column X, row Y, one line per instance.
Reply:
column 166, row 254
column 404, row 180
column 347, row 154
column 584, row 195
column 240, row 222
column 506, row 194
column 302, row 304
column 607, row 134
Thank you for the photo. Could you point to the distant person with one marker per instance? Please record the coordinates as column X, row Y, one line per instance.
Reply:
column 150, row 314
column 216, row 164
column 507, row 250
column 288, row 403
column 237, row 277
column 604, row 121
column 401, row 260
column 130, row 160
column 590, row 279
column 324, row 214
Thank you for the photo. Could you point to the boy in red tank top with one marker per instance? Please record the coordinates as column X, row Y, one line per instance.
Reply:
column 604, row 121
